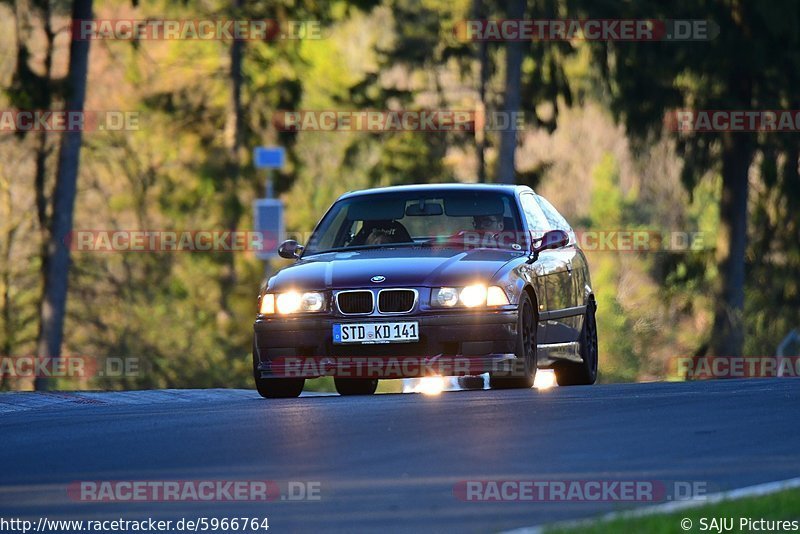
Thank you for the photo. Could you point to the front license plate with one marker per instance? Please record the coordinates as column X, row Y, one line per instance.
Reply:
column 375, row 332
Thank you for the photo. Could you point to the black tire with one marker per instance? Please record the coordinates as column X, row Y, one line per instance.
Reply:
column 276, row 388
column 470, row 382
column 355, row 386
column 585, row 373
column 526, row 362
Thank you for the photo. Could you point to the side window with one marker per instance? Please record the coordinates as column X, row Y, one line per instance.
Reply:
column 554, row 219
column 537, row 222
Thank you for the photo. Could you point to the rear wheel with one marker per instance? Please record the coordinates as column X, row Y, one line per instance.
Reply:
column 355, row 386
column 275, row 388
column 525, row 364
column 585, row 373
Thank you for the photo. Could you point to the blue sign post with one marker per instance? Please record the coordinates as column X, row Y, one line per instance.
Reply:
column 268, row 218
column 268, row 212
column 269, row 157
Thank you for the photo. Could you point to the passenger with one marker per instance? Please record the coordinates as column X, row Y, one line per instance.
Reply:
column 378, row 236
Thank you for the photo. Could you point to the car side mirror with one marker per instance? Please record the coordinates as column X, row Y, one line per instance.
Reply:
column 552, row 239
column 290, row 249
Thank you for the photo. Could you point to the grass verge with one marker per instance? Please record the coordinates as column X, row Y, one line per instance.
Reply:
column 779, row 506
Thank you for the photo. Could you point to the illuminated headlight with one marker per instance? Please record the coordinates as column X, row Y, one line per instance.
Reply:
column 292, row 302
column 288, row 302
column 496, row 297
column 469, row 296
column 472, row 296
column 267, row 304
column 446, row 297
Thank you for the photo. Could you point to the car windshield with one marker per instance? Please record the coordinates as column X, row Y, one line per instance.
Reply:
column 436, row 217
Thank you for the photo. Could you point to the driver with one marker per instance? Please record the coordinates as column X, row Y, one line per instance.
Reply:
column 488, row 223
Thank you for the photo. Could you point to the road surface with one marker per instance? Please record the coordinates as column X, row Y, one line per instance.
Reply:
column 391, row 462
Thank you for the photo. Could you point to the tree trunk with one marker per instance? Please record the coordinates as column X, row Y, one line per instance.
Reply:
column 42, row 149
column 8, row 235
column 727, row 335
column 56, row 275
column 233, row 141
column 512, row 100
column 483, row 76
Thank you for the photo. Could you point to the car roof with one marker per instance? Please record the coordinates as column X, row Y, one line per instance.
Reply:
column 507, row 188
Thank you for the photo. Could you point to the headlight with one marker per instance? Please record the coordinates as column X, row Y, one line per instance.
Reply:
column 469, row 296
column 472, row 296
column 496, row 297
column 312, row 302
column 267, row 304
column 292, row 302
column 288, row 302
column 447, row 297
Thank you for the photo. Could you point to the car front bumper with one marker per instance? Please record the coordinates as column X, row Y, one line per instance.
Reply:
column 454, row 343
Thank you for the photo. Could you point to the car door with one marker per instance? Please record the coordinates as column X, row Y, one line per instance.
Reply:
column 566, row 288
column 546, row 269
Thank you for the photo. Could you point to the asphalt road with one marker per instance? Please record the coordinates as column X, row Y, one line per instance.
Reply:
column 390, row 462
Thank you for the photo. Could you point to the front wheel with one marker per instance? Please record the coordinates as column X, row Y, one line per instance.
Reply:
column 584, row 373
column 355, row 386
column 275, row 388
column 525, row 364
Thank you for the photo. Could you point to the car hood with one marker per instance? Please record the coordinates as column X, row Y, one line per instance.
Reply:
column 413, row 267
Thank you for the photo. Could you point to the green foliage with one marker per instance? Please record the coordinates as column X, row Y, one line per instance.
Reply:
column 748, row 63
column 411, row 157
column 618, row 358
column 781, row 506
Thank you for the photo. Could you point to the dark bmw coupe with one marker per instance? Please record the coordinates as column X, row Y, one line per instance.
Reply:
column 410, row 281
